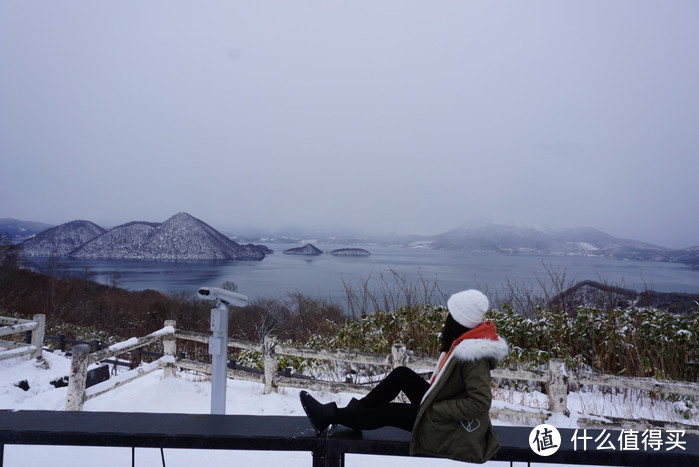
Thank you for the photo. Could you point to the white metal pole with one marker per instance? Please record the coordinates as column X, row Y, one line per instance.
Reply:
column 218, row 348
column 218, row 342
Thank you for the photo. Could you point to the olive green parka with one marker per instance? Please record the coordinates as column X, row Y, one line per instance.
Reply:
column 453, row 418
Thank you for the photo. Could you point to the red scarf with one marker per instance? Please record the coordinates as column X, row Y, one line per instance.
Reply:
column 485, row 330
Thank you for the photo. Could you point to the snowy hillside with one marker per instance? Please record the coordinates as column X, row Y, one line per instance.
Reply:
column 18, row 230
column 509, row 238
column 62, row 239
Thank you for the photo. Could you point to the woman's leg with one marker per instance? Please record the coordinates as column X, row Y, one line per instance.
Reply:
column 370, row 418
column 375, row 410
column 402, row 379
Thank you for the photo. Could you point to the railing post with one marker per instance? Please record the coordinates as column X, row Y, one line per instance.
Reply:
column 328, row 454
column 270, row 363
column 170, row 349
column 78, row 376
column 557, row 387
column 399, row 355
column 38, row 335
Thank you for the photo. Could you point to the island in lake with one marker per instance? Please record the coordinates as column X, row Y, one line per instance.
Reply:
column 307, row 250
column 350, row 252
column 312, row 250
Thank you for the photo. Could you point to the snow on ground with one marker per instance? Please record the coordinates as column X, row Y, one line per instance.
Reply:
column 186, row 393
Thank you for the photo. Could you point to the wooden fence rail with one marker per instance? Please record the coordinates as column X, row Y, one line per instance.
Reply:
column 81, row 359
column 9, row 326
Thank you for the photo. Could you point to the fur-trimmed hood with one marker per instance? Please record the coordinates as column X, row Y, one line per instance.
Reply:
column 473, row 349
column 480, row 342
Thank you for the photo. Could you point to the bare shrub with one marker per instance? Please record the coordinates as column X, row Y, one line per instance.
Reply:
column 393, row 291
column 297, row 318
column 258, row 319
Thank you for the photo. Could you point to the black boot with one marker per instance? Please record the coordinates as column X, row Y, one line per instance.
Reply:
column 320, row 415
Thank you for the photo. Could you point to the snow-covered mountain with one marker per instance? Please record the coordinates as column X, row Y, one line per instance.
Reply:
column 514, row 239
column 62, row 239
column 581, row 241
column 180, row 237
column 17, row 231
column 504, row 238
column 588, row 238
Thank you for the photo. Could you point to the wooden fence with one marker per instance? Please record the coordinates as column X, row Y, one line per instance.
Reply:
column 10, row 326
column 555, row 379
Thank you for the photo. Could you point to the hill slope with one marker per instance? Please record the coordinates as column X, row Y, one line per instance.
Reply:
column 17, row 230
column 62, row 239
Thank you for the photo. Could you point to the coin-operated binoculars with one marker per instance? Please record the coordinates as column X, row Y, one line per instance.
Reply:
column 218, row 342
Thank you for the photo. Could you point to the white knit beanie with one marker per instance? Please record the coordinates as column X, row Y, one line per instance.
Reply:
column 468, row 307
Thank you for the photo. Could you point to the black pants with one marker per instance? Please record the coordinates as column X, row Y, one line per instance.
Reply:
column 377, row 410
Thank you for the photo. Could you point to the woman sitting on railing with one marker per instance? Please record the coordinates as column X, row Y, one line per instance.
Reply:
column 448, row 416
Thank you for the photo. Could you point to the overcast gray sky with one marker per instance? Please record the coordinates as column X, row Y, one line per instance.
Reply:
column 378, row 116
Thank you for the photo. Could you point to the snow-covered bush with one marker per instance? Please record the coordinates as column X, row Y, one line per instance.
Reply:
column 625, row 341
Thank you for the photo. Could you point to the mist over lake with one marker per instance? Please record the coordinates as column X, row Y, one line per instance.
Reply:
column 325, row 276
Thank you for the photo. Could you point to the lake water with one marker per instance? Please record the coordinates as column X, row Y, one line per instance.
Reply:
column 324, row 276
